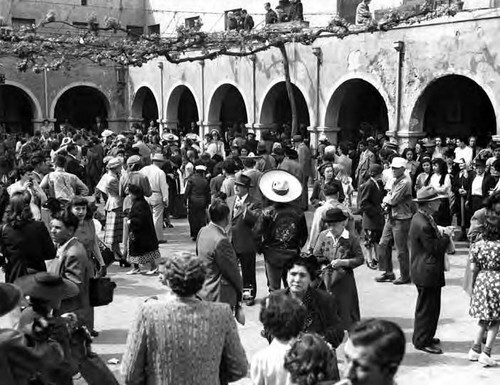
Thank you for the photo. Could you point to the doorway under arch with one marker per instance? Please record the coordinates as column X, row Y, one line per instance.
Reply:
column 358, row 109
column 454, row 106
column 17, row 109
column 276, row 110
column 182, row 108
column 144, row 105
column 81, row 105
column 227, row 107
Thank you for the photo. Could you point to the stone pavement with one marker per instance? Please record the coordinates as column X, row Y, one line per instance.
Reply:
column 383, row 300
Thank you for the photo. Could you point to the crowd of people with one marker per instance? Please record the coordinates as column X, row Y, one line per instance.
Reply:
column 241, row 197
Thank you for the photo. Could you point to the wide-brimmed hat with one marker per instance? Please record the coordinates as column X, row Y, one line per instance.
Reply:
column 200, row 167
column 193, row 137
column 10, row 295
column 215, row 131
column 398, row 162
column 158, row 157
column 250, row 133
column 47, row 286
column 334, row 215
column 243, row 180
column 107, row 133
column 297, row 138
column 427, row 194
column 134, row 159
column 169, row 137
column 114, row 163
column 280, row 186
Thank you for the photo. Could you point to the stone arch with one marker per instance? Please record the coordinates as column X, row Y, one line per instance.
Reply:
column 227, row 105
column 455, row 105
column 275, row 106
column 19, row 107
column 79, row 84
column 356, row 104
column 145, row 104
column 182, row 106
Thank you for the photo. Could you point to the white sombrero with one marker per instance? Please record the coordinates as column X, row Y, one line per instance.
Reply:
column 280, row 186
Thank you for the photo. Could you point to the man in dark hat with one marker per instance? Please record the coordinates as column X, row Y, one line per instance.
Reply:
column 251, row 143
column 267, row 162
column 243, row 216
column 482, row 183
column 428, row 245
column 18, row 361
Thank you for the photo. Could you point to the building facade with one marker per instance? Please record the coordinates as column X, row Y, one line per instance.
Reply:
column 439, row 77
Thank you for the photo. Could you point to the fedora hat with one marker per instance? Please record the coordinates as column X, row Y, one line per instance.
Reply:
column 47, row 286
column 134, row 159
column 114, row 163
column 10, row 296
column 158, row 157
column 427, row 194
column 280, row 186
column 334, row 215
column 398, row 162
column 243, row 180
column 107, row 133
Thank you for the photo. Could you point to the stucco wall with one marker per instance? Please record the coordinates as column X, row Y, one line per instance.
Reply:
column 446, row 46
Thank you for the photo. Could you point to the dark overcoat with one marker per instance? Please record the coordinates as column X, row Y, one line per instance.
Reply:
column 142, row 236
column 426, row 253
column 241, row 231
column 370, row 204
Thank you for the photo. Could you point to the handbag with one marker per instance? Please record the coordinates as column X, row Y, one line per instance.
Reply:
column 107, row 254
column 101, row 291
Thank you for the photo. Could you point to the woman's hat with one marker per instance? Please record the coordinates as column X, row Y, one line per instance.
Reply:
column 10, row 295
column 280, row 186
column 193, row 137
column 47, row 286
column 427, row 194
column 114, row 163
column 66, row 141
column 215, row 131
column 334, row 215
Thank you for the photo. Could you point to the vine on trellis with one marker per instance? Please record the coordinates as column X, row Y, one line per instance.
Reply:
column 38, row 50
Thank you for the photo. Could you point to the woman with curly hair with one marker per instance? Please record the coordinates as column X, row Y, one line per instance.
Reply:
column 310, row 361
column 179, row 339
column 26, row 243
column 283, row 318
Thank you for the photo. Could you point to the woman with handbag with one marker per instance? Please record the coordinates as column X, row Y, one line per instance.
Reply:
column 86, row 234
column 339, row 253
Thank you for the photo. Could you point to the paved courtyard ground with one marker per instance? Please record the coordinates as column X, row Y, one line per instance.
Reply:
column 383, row 300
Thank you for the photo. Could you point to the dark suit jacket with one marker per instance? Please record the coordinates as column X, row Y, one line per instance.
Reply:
column 427, row 253
column 488, row 184
column 370, row 201
column 223, row 282
column 241, row 232
column 74, row 167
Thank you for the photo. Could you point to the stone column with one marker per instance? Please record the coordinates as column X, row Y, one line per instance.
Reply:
column 407, row 138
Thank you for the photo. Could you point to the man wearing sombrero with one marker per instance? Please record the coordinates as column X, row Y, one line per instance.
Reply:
column 428, row 246
column 284, row 229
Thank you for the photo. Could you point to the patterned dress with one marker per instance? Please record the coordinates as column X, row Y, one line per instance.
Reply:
column 485, row 301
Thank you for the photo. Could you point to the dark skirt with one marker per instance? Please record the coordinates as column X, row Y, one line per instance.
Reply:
column 443, row 216
column 197, row 217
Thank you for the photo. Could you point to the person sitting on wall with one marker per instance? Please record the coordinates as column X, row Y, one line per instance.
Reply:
column 363, row 13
